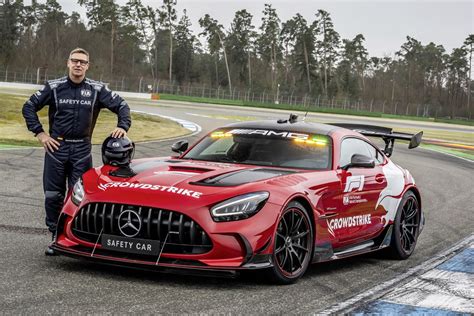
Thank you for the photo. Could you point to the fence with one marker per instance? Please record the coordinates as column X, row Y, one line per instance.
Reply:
column 247, row 96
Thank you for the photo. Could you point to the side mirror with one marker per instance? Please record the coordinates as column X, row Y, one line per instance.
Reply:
column 180, row 146
column 360, row 161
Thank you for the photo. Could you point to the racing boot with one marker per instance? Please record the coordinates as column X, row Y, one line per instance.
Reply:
column 49, row 250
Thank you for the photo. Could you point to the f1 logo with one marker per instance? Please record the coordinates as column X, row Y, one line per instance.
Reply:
column 354, row 182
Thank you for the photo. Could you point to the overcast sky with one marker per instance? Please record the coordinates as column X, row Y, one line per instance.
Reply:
column 384, row 23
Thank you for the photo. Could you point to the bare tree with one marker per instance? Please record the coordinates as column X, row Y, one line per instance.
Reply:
column 469, row 43
column 215, row 38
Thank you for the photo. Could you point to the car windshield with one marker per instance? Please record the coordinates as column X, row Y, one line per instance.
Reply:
column 265, row 148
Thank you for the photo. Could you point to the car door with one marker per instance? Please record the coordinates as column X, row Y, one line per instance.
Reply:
column 357, row 217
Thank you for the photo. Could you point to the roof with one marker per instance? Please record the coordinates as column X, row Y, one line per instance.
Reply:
column 300, row 126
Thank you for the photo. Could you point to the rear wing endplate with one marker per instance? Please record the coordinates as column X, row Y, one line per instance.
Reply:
column 385, row 133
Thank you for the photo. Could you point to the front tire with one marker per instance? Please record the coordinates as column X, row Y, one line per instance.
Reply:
column 293, row 245
column 406, row 227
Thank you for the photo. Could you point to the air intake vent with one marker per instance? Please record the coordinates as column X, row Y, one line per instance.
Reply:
column 189, row 169
column 187, row 237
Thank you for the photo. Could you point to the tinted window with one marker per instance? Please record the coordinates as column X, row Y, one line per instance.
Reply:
column 265, row 148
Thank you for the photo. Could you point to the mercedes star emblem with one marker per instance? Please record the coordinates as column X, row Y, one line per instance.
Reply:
column 129, row 223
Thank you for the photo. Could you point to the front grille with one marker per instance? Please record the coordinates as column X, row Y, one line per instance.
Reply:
column 186, row 236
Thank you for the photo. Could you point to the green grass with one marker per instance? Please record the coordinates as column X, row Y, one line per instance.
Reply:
column 448, row 136
column 13, row 129
column 467, row 154
column 5, row 146
column 8, row 143
column 290, row 107
column 310, row 109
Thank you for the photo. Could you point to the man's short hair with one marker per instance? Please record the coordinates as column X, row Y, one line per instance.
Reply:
column 80, row 51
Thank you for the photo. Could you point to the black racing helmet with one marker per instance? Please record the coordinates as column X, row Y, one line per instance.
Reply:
column 117, row 151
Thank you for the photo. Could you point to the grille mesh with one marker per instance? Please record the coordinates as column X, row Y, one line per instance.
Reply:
column 184, row 235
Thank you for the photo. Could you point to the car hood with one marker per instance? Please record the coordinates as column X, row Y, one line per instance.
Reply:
column 183, row 179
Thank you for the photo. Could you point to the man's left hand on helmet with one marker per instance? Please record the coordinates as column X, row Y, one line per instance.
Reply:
column 118, row 133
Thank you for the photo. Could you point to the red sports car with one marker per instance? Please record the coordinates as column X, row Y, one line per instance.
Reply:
column 270, row 195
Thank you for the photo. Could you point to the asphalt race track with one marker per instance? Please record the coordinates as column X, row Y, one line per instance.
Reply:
column 33, row 283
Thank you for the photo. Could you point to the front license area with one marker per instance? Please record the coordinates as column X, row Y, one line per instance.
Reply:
column 131, row 245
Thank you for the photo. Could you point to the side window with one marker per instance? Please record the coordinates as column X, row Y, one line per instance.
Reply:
column 375, row 154
column 351, row 146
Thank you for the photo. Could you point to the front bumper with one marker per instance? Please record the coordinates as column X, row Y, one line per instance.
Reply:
column 162, row 267
column 240, row 245
column 166, row 265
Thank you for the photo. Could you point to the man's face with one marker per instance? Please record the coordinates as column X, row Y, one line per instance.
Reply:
column 78, row 64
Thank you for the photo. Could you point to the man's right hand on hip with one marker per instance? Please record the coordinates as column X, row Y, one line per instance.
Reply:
column 49, row 143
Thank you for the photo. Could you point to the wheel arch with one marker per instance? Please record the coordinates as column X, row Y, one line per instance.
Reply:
column 276, row 271
column 415, row 191
column 307, row 205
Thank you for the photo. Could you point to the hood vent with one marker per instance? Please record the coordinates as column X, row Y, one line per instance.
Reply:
column 144, row 166
column 189, row 169
column 242, row 177
column 174, row 161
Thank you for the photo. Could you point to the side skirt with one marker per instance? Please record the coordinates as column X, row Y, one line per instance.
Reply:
column 325, row 252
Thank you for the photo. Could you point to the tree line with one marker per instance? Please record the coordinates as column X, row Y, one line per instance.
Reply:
column 297, row 56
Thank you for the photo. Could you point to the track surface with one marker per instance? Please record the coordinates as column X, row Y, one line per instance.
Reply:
column 33, row 283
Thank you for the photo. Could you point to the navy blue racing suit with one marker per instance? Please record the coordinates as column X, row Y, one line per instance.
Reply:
column 73, row 111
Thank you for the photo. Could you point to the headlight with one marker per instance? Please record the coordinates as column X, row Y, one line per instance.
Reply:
column 239, row 207
column 77, row 192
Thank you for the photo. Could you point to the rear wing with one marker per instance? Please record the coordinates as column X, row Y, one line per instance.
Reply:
column 385, row 133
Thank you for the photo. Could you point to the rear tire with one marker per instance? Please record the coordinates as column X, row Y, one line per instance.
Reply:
column 292, row 246
column 406, row 227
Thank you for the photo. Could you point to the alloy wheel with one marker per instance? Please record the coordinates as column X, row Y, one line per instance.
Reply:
column 409, row 223
column 293, row 242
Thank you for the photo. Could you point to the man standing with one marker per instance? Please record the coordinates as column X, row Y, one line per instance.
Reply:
column 74, row 104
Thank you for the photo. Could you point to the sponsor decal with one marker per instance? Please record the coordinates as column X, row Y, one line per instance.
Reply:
column 74, row 102
column 265, row 132
column 152, row 187
column 346, row 222
column 86, row 93
column 345, row 199
column 352, row 199
column 116, row 144
column 354, row 182
column 38, row 93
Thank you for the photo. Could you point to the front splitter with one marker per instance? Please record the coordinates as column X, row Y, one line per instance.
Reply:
column 160, row 267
